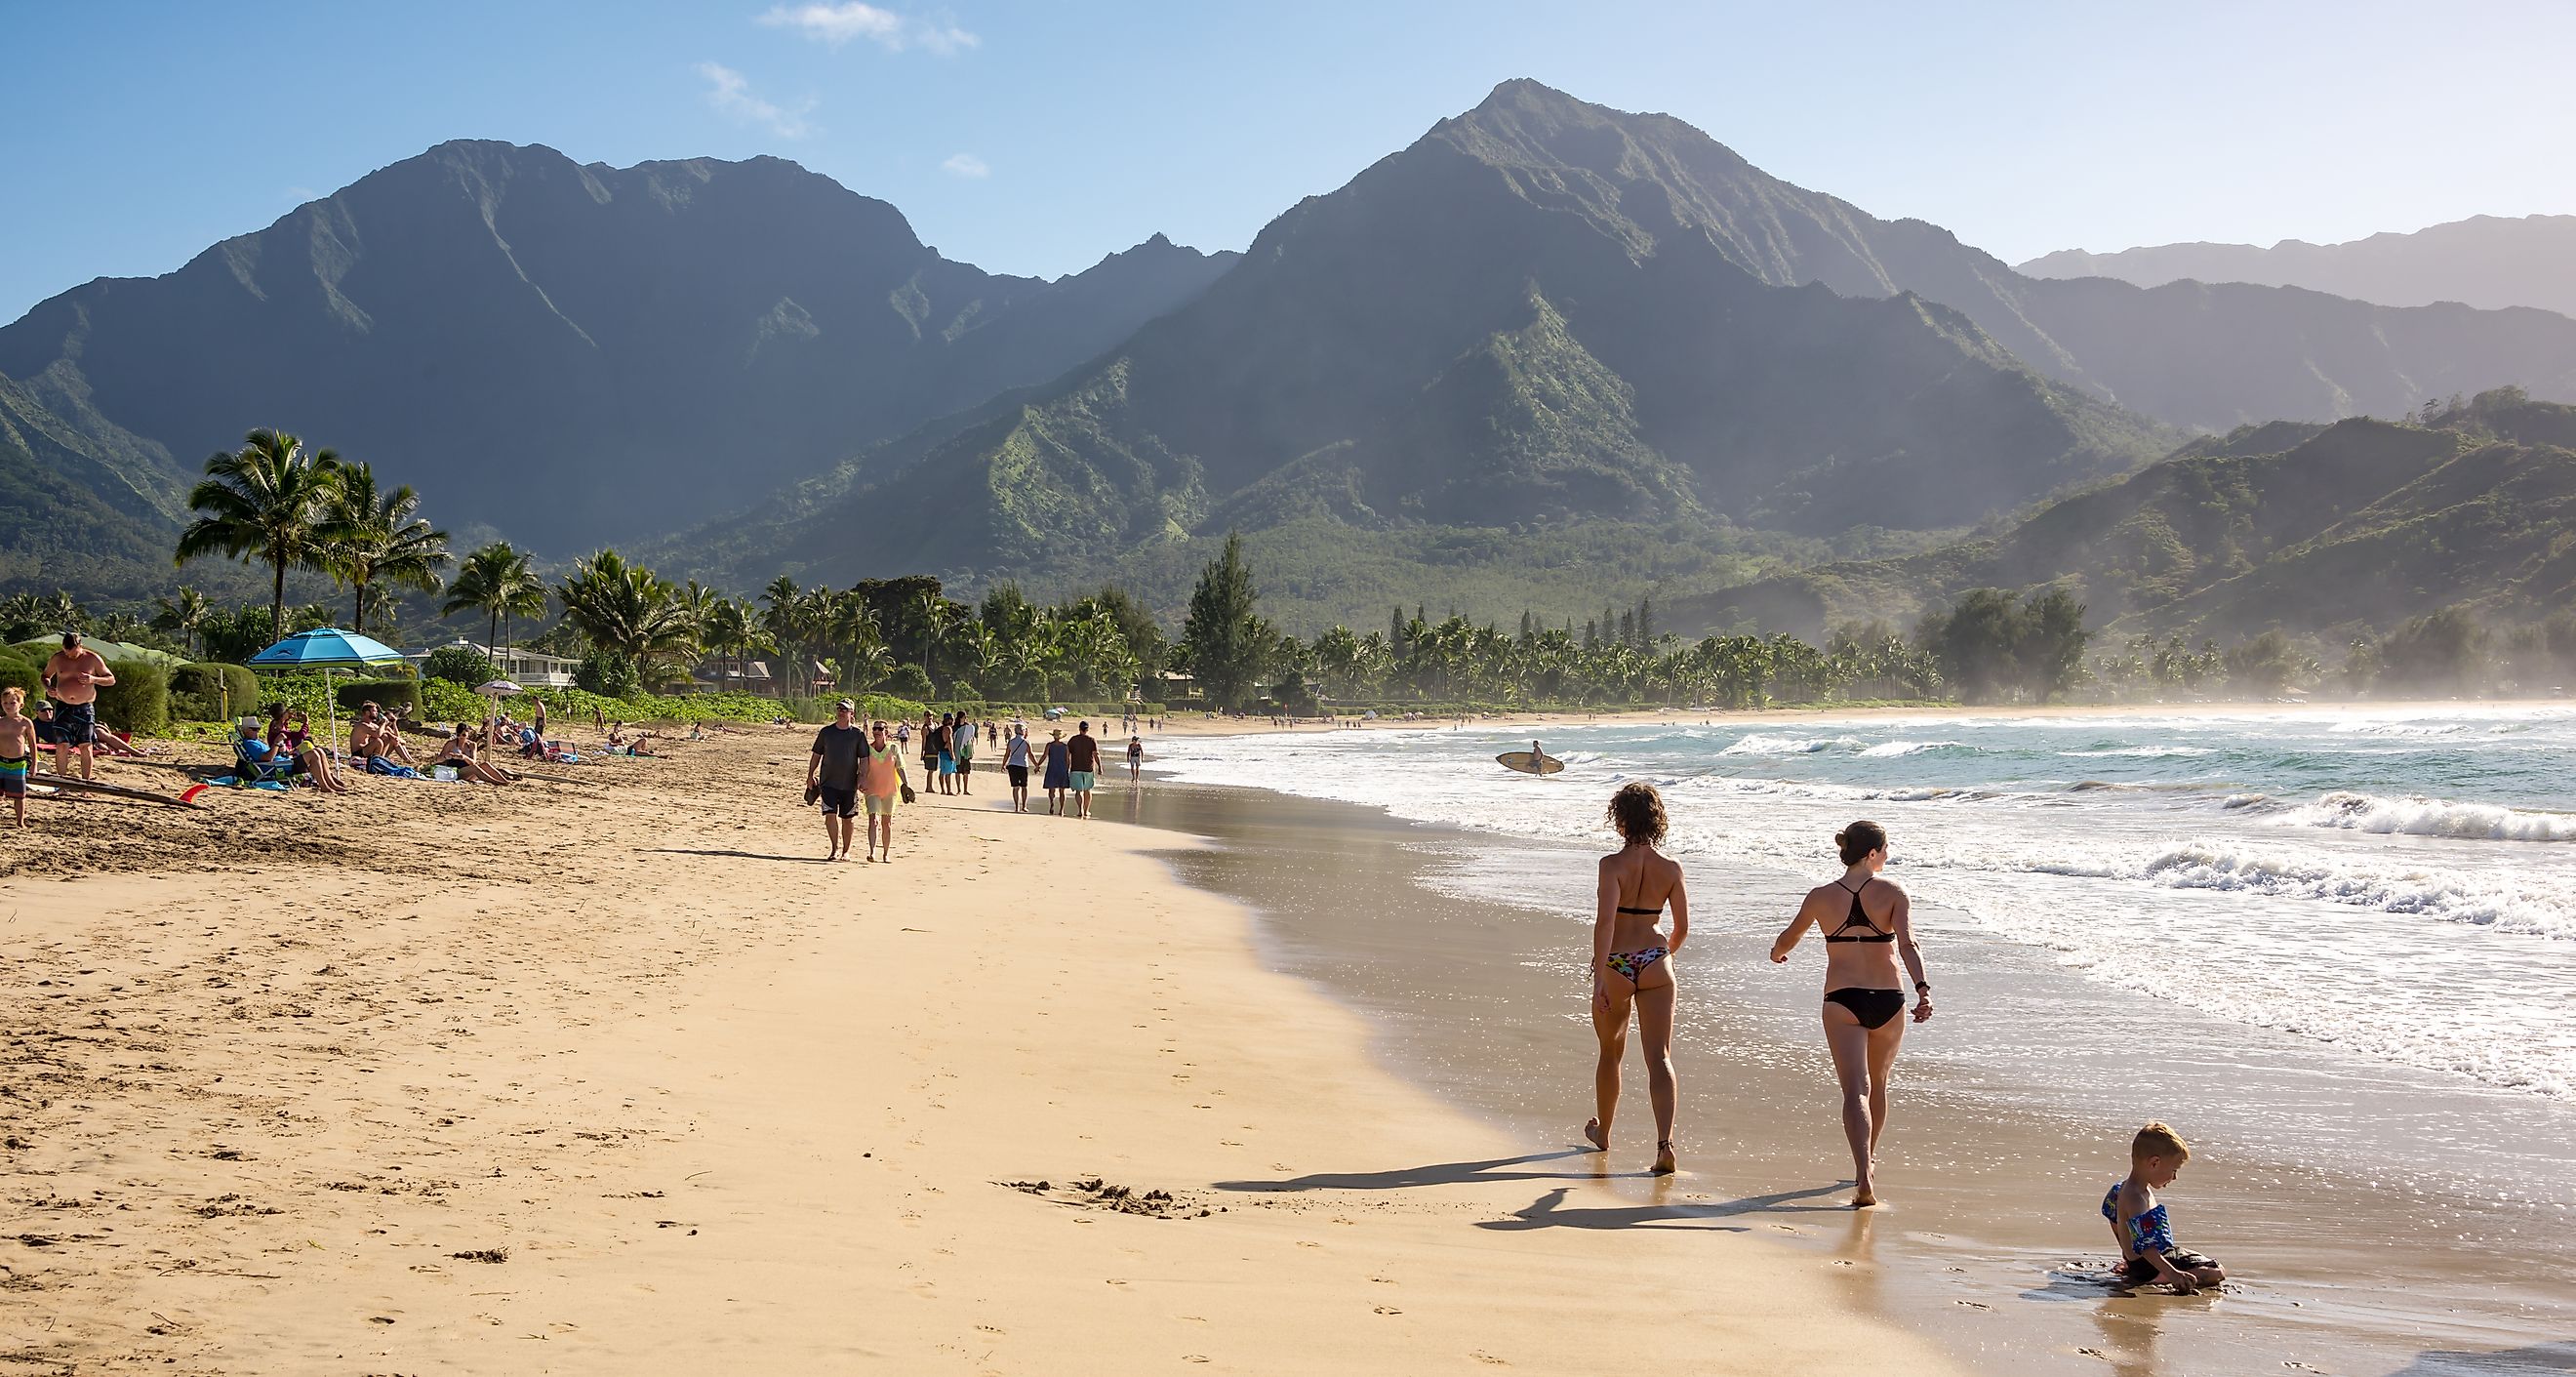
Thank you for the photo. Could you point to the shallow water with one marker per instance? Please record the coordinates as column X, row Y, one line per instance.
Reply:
column 2376, row 1077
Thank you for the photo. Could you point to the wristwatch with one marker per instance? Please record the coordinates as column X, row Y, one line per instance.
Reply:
column 1923, row 988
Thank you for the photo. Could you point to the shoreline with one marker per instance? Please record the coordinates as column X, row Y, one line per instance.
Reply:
column 617, row 1077
column 1969, row 1241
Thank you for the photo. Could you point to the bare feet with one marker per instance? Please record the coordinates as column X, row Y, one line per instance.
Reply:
column 1863, row 1198
column 1596, row 1135
column 1664, row 1164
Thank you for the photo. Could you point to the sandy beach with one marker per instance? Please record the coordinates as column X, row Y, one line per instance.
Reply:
column 608, row 1072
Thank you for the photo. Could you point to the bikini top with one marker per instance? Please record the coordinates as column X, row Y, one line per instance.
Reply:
column 1858, row 917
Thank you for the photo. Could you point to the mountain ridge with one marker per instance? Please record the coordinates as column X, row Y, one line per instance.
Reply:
column 2485, row 261
column 555, row 348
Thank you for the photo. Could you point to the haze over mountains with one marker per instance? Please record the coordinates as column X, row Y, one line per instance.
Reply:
column 1545, row 326
column 2486, row 260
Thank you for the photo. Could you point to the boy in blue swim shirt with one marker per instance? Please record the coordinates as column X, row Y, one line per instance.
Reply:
column 2147, row 1249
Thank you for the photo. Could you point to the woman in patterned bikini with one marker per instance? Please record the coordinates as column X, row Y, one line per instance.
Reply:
column 1631, row 964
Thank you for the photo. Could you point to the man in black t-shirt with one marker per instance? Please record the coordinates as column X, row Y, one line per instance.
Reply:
column 832, row 776
column 1082, row 758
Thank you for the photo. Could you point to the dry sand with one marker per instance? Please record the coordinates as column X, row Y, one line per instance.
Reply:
column 609, row 1073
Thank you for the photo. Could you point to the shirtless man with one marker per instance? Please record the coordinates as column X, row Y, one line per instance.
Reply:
column 73, row 678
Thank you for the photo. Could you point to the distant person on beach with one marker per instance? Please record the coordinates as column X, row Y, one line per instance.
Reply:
column 929, row 751
column 1631, row 964
column 73, row 677
column 1872, row 925
column 962, row 746
column 1135, row 760
column 1082, row 760
column 881, row 780
column 1015, row 759
column 17, row 750
column 832, row 777
column 458, row 751
column 1059, row 775
column 2145, row 1236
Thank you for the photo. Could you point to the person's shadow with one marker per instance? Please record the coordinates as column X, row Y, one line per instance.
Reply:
column 726, row 855
column 2534, row 1361
column 1434, row 1174
column 1549, row 1211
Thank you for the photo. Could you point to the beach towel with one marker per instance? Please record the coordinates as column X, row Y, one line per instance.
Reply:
column 380, row 765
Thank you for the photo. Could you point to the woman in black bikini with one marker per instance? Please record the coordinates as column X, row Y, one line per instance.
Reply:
column 1631, row 962
column 1867, row 926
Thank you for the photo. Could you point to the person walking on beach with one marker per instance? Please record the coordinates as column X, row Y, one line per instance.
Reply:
column 1135, row 760
column 17, row 750
column 962, row 745
column 1868, row 926
column 1632, row 964
column 929, row 749
column 881, row 780
column 832, row 776
column 1015, row 758
column 73, row 677
column 1059, row 775
column 1082, row 757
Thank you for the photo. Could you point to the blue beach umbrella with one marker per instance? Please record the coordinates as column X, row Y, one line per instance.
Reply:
column 327, row 649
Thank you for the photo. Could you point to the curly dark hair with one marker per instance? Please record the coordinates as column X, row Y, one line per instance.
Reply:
column 1638, row 812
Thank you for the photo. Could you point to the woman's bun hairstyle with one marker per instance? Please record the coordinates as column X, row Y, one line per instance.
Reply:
column 1638, row 812
column 1860, row 839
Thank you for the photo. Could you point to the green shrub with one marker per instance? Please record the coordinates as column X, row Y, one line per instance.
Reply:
column 458, row 664
column 138, row 703
column 26, row 676
column 401, row 695
column 608, row 674
column 909, row 681
column 210, row 692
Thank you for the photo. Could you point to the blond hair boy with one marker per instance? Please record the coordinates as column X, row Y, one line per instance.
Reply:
column 2147, row 1249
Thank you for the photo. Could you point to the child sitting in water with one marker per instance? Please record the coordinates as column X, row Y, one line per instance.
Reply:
column 2147, row 1251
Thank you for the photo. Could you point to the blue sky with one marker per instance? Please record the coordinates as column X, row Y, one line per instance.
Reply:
column 1036, row 137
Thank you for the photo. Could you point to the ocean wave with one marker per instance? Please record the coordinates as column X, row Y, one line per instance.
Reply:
column 1770, row 743
column 2141, row 752
column 2238, row 870
column 2435, row 817
column 1895, row 748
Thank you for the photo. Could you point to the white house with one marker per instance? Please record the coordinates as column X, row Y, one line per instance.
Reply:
column 526, row 668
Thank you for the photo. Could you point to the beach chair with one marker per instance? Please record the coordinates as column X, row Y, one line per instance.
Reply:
column 252, row 772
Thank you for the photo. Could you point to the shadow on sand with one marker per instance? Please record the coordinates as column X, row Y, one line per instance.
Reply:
column 729, row 855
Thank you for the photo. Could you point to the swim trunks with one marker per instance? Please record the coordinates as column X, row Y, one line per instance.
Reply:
column 13, row 777
column 2137, row 1270
column 839, row 803
column 75, row 724
column 1083, row 780
column 1019, row 776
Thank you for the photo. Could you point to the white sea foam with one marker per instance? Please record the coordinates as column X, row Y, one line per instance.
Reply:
column 1768, row 743
column 2142, row 752
column 1904, row 748
column 2435, row 817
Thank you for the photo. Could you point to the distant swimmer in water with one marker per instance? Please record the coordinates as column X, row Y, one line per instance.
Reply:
column 1868, row 925
column 1632, row 962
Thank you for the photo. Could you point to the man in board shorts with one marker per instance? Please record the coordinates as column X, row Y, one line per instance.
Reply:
column 833, row 776
column 1082, row 757
column 73, row 678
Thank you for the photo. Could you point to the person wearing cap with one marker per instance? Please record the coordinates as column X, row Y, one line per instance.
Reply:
column 832, row 777
column 1059, row 777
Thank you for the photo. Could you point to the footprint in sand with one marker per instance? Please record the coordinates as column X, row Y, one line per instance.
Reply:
column 1388, row 1310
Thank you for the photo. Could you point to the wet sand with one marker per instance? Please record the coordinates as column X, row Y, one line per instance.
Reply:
column 1998, row 1151
column 611, row 1074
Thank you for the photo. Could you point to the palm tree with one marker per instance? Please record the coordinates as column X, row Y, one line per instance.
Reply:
column 622, row 607
column 936, row 617
column 184, row 612
column 733, row 632
column 378, row 540
column 267, row 501
column 495, row 580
